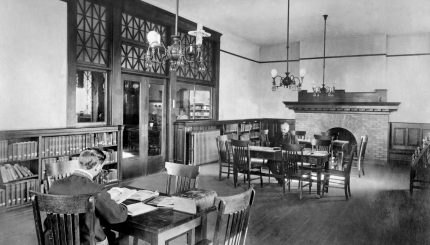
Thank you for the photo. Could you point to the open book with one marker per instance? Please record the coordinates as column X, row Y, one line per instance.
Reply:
column 119, row 194
column 139, row 208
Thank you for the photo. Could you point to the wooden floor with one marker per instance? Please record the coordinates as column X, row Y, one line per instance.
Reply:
column 381, row 211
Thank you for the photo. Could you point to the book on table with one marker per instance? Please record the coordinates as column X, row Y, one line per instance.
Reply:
column 139, row 208
column 120, row 194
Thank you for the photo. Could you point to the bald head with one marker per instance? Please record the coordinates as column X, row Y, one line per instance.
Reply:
column 285, row 127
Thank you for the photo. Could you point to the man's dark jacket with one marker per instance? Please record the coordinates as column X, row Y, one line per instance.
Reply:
column 107, row 210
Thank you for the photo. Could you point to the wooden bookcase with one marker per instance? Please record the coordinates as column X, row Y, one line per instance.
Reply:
column 35, row 149
column 243, row 129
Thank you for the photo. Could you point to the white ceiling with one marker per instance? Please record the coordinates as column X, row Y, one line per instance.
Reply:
column 264, row 22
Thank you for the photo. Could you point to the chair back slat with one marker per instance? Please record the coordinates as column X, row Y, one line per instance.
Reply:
column 323, row 145
column 62, row 214
column 233, row 218
column 292, row 154
column 221, row 143
column 241, row 154
column 363, row 145
column 184, row 177
column 69, row 225
column 347, row 169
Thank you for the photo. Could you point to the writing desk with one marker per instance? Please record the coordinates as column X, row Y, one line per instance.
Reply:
column 162, row 225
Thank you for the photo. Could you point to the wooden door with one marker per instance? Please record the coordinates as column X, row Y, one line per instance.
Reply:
column 135, row 119
column 156, row 125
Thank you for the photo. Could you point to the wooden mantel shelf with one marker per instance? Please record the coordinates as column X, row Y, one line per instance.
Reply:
column 346, row 102
column 351, row 107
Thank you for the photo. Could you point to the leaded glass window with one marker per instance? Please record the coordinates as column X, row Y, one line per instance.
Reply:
column 92, row 43
column 134, row 44
column 190, row 70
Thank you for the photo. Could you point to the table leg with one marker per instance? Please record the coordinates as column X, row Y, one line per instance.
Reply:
column 319, row 181
column 201, row 230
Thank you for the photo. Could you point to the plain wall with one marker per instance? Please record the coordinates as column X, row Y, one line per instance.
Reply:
column 33, row 64
column 238, row 79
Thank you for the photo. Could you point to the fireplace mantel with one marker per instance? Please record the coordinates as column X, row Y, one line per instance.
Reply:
column 350, row 107
column 352, row 102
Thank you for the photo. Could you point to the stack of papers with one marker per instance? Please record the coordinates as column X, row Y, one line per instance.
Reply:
column 120, row 194
column 139, row 208
column 177, row 203
column 143, row 195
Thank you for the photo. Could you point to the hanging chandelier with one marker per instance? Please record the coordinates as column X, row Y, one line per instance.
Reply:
column 176, row 54
column 323, row 89
column 289, row 81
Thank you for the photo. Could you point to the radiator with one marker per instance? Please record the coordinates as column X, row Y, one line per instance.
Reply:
column 202, row 147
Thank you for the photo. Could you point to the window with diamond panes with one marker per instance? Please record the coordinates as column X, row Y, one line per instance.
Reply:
column 191, row 70
column 92, row 43
column 134, row 44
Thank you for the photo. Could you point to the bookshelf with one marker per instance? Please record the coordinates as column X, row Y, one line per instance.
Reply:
column 25, row 156
column 243, row 129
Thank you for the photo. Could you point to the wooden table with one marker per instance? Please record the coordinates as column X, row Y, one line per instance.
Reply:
column 319, row 158
column 162, row 225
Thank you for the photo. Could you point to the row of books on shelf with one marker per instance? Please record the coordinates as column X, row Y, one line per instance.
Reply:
column 111, row 157
column 73, row 144
column 249, row 126
column 9, row 172
column 19, row 151
column 17, row 193
column 199, row 106
column 229, row 128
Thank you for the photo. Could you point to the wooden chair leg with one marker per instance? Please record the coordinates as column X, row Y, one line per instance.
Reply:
column 346, row 191
column 349, row 189
column 301, row 190
column 228, row 173
column 220, row 171
column 261, row 177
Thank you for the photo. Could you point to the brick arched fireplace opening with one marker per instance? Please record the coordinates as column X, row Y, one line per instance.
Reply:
column 339, row 133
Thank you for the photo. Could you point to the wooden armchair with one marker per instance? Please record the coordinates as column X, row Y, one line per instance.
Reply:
column 232, row 219
column 292, row 157
column 183, row 177
column 224, row 158
column 58, row 170
column 62, row 215
column 242, row 162
column 340, row 178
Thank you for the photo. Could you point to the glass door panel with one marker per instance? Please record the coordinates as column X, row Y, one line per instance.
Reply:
column 156, row 126
column 134, row 119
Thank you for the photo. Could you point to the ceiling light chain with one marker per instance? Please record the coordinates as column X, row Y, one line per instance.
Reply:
column 289, row 81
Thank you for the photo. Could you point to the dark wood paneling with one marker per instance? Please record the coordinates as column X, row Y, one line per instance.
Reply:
column 404, row 138
column 399, row 136
column 414, row 138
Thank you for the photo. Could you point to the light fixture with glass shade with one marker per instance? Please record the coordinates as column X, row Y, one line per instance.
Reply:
column 176, row 53
column 323, row 89
column 289, row 81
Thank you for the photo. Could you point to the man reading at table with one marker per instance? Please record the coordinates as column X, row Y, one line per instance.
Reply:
column 281, row 140
column 81, row 182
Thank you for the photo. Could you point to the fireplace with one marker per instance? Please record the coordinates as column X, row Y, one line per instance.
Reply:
column 347, row 116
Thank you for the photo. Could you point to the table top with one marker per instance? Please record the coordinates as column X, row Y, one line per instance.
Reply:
column 158, row 220
column 306, row 152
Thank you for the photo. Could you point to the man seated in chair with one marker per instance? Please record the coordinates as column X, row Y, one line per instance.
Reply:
column 81, row 182
column 281, row 140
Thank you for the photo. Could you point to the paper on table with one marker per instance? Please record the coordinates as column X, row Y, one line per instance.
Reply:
column 184, row 205
column 143, row 195
column 120, row 194
column 139, row 208
column 161, row 201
